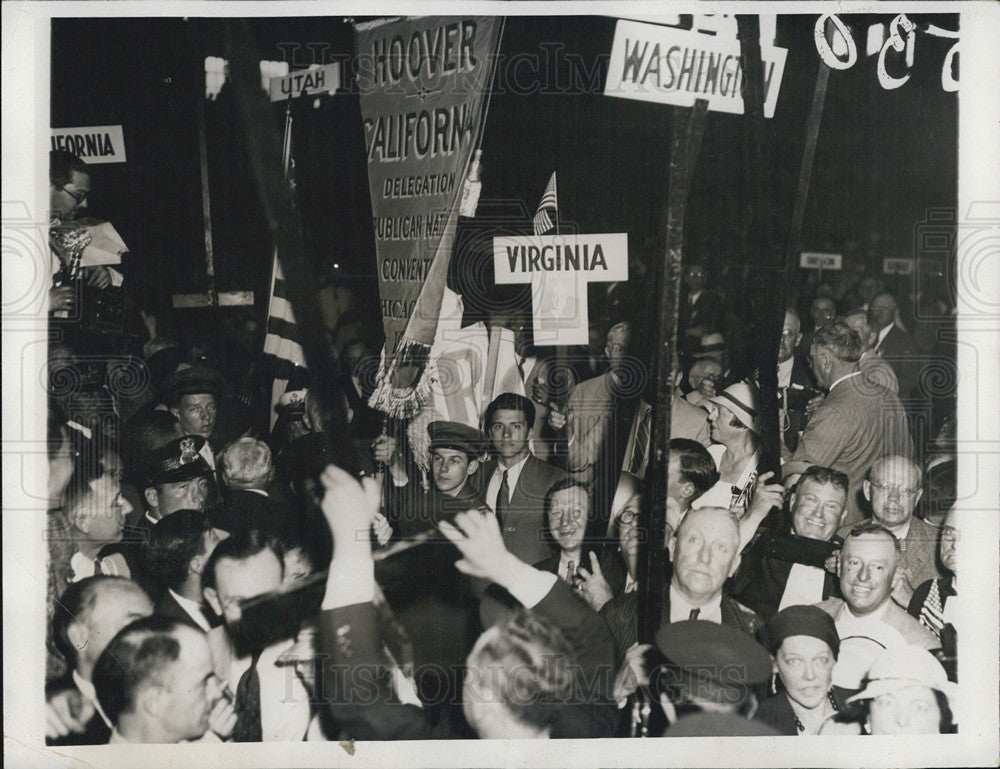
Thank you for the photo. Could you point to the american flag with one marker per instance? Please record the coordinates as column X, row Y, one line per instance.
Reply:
column 547, row 214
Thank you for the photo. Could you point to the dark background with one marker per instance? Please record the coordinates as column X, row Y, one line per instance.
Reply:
column 884, row 158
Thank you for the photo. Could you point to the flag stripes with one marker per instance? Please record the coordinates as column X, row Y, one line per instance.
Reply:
column 545, row 218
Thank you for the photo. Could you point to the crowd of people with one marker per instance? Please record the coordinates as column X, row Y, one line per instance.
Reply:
column 212, row 579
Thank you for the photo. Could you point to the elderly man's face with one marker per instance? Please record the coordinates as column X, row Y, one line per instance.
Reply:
column 805, row 664
column 196, row 414
column 817, row 509
column 617, row 346
column 894, row 490
column 867, row 568
column 791, row 335
column 104, row 511
column 911, row 710
column 881, row 312
column 705, row 552
column 949, row 543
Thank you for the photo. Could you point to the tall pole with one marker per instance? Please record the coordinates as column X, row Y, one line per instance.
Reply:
column 687, row 127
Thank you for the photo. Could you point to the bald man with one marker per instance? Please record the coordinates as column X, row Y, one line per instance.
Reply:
column 893, row 488
column 704, row 553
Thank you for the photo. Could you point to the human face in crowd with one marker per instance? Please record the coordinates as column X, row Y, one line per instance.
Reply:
column 196, row 414
column 805, row 664
column 858, row 322
column 817, row 509
column 705, row 376
column 882, row 312
column 451, row 468
column 68, row 200
column 509, row 433
column 105, row 511
column 237, row 581
column 705, row 552
column 791, row 335
column 190, row 688
column 116, row 604
column 867, row 568
column 694, row 278
column 568, row 515
column 820, row 361
column 949, row 542
column 911, row 710
column 616, row 346
column 720, row 421
column 628, row 533
column 823, row 311
column 183, row 495
column 894, row 490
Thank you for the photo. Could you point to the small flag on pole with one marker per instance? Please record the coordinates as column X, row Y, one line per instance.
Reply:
column 547, row 214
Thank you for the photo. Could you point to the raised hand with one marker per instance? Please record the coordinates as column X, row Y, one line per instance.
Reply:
column 593, row 586
column 476, row 534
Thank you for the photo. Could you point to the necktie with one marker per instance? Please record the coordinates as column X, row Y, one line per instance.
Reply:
column 570, row 572
column 97, row 566
column 694, row 614
column 247, row 706
column 503, row 499
column 638, row 465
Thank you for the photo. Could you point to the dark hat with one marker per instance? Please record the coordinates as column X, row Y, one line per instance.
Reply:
column 802, row 620
column 455, row 435
column 193, row 380
column 178, row 461
column 715, row 662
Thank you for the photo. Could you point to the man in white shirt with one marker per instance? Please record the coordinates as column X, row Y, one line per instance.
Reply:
column 867, row 620
column 178, row 549
column 96, row 516
column 87, row 616
column 156, row 684
column 272, row 703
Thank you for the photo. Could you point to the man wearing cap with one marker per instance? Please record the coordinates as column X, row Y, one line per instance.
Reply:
column 783, row 568
column 858, row 421
column 867, row 619
column 712, row 680
column 907, row 692
column 735, row 429
column 192, row 395
column 517, row 481
column 893, row 488
column 704, row 553
column 805, row 645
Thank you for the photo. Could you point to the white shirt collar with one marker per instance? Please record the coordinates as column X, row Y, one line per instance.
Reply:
column 692, row 298
column 883, row 334
column 258, row 491
column 82, row 566
column 785, row 372
column 630, row 584
column 680, row 609
column 193, row 608
column 846, row 376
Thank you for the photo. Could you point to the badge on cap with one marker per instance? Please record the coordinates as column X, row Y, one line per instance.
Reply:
column 189, row 453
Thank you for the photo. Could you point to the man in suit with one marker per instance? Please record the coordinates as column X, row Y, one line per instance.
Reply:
column 247, row 472
column 96, row 516
column 179, row 546
column 88, row 615
column 894, row 345
column 272, row 704
column 700, row 310
column 704, row 553
column 794, row 380
column 893, row 487
column 556, row 619
column 516, row 481
column 156, row 684
column 868, row 621
column 872, row 367
column 858, row 421
column 776, row 570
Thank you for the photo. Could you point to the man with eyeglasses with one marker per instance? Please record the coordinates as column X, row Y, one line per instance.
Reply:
column 69, row 188
column 893, row 488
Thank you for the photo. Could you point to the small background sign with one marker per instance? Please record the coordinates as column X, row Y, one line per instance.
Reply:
column 814, row 260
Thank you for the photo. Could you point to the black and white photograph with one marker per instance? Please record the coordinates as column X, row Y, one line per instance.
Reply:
column 501, row 384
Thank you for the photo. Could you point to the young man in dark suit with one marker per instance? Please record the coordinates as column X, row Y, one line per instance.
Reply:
column 515, row 481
